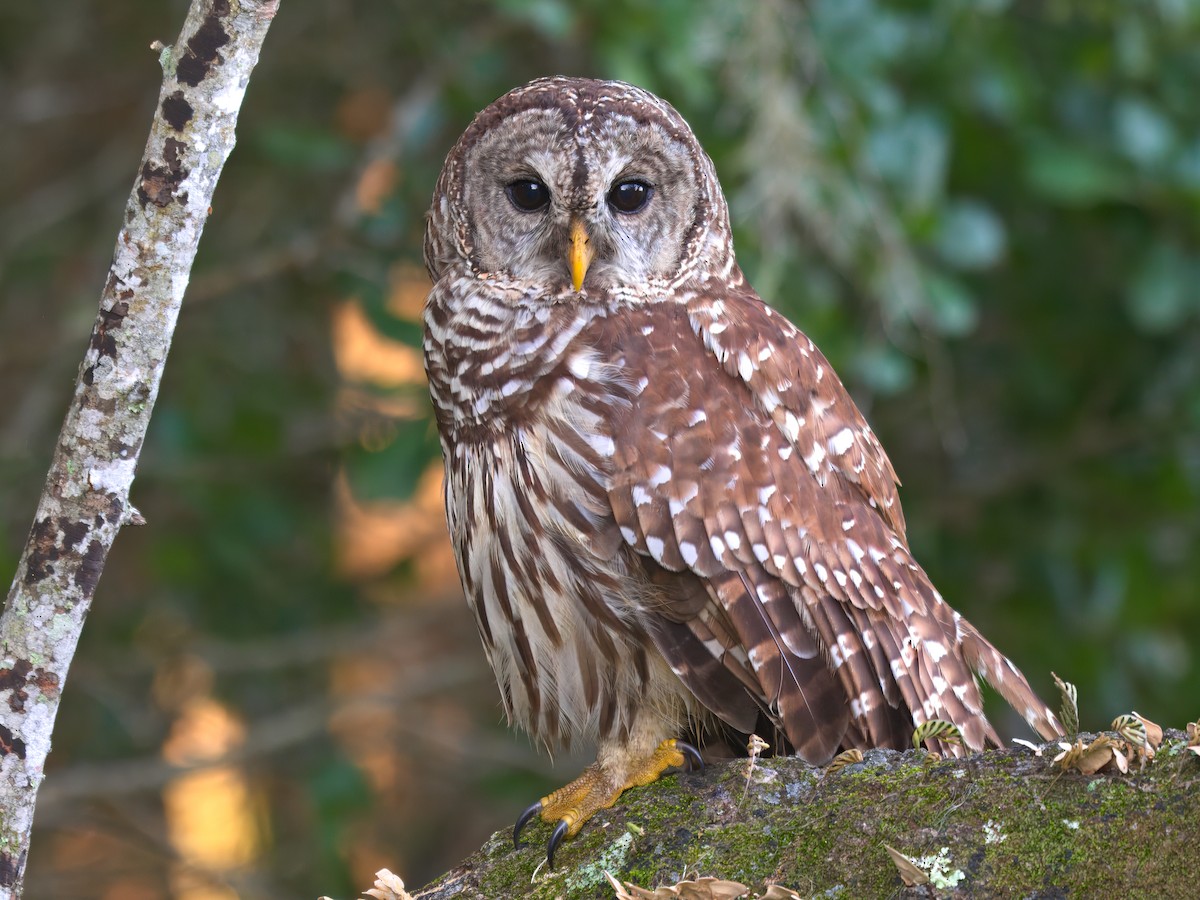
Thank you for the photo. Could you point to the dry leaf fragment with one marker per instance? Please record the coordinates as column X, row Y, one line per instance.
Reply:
column 1069, row 711
column 936, row 729
column 1070, row 754
column 843, row 759
column 701, row 889
column 755, row 746
column 1121, row 761
column 778, row 892
column 1037, row 751
column 626, row 892
column 388, row 886
column 1141, row 735
column 1131, row 729
column 910, row 874
column 1154, row 733
column 620, row 893
column 711, row 889
column 1090, row 759
column 1097, row 755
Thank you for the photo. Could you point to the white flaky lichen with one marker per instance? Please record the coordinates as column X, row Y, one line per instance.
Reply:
column 993, row 833
column 940, row 869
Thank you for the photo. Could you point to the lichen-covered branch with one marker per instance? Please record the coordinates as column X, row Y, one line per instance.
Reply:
column 998, row 824
column 86, row 497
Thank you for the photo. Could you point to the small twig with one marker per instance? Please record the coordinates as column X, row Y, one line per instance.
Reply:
column 754, row 747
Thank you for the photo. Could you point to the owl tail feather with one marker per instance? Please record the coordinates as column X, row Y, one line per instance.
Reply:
column 998, row 671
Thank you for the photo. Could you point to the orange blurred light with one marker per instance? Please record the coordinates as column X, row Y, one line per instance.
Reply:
column 363, row 354
column 375, row 185
column 364, row 112
column 373, row 537
column 212, row 816
column 408, row 286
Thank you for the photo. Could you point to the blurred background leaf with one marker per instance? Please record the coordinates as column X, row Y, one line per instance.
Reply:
column 985, row 214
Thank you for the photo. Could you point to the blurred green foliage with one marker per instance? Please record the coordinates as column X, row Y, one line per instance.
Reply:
column 984, row 212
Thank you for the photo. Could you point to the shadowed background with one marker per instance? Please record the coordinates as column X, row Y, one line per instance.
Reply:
column 985, row 214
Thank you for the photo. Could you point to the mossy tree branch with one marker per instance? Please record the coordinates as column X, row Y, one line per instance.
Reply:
column 1011, row 825
column 86, row 497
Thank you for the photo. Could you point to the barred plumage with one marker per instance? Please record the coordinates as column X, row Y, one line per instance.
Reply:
column 665, row 506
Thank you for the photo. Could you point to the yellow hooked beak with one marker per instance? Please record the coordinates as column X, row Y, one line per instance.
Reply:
column 581, row 253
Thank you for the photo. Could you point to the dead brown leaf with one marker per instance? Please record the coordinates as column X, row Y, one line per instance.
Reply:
column 1070, row 754
column 700, row 889
column 1090, row 759
column 1121, row 761
column 778, row 892
column 388, row 886
column 1154, row 732
column 910, row 874
column 1141, row 735
column 1097, row 755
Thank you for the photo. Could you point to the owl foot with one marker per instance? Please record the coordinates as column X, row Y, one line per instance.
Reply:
column 599, row 787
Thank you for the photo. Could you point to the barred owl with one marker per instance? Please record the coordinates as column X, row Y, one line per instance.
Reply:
column 667, row 512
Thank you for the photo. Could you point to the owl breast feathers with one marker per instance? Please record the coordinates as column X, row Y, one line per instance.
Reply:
column 668, row 513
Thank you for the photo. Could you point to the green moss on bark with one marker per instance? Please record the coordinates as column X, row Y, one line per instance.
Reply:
column 1010, row 822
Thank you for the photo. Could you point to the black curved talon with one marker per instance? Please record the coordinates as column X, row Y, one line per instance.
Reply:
column 691, row 757
column 522, row 821
column 560, row 832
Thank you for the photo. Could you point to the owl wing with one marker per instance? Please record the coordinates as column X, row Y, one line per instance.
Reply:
column 744, row 464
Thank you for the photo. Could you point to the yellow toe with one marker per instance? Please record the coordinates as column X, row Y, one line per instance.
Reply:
column 578, row 801
column 666, row 756
column 599, row 787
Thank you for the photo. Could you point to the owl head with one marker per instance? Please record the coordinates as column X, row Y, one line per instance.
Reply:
column 577, row 186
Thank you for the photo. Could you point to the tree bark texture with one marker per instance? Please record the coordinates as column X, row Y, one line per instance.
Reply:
column 86, row 497
column 998, row 824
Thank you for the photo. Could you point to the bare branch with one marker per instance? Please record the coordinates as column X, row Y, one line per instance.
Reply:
column 86, row 498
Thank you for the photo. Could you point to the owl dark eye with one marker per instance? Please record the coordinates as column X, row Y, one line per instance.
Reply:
column 630, row 196
column 528, row 194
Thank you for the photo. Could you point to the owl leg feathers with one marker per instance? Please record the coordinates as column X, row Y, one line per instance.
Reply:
column 617, row 768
